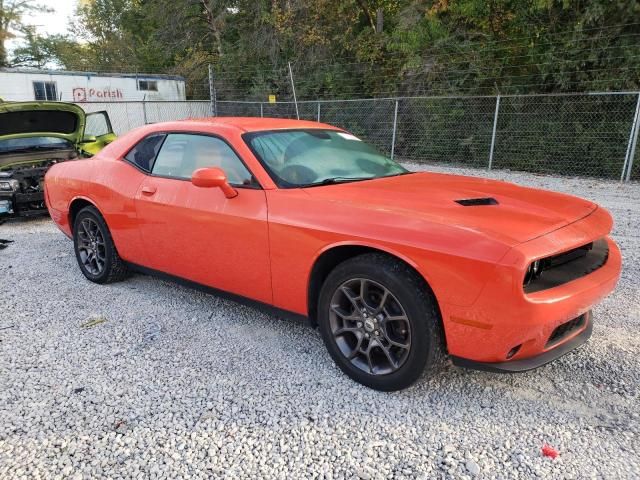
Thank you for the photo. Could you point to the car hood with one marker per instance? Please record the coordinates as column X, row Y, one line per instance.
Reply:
column 40, row 119
column 519, row 214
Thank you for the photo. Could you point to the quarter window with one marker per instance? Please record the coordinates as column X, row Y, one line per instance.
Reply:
column 45, row 91
column 181, row 154
column 145, row 152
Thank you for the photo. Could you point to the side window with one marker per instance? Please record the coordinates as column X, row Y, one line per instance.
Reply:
column 181, row 154
column 145, row 152
column 148, row 85
column 97, row 124
column 45, row 91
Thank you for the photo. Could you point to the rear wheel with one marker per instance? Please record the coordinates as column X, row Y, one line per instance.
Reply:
column 96, row 254
column 379, row 322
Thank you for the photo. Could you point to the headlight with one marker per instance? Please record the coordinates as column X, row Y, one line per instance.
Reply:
column 9, row 185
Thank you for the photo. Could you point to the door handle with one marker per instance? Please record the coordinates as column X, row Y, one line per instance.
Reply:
column 148, row 190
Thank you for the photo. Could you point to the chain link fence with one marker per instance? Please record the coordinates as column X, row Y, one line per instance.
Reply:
column 129, row 115
column 592, row 135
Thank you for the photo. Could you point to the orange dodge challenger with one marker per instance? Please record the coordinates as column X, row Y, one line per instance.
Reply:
column 396, row 268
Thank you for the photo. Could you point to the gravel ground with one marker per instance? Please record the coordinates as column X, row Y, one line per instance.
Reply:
column 146, row 379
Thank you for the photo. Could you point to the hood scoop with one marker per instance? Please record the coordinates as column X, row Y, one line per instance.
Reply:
column 476, row 202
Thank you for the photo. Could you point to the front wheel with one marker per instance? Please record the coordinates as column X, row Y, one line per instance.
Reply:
column 96, row 254
column 379, row 321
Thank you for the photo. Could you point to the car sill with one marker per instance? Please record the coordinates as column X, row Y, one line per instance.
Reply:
column 265, row 307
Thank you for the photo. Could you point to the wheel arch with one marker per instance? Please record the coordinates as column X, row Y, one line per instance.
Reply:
column 331, row 256
column 77, row 204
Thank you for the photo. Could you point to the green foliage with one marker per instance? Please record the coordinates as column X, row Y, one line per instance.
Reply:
column 41, row 51
column 11, row 22
column 356, row 48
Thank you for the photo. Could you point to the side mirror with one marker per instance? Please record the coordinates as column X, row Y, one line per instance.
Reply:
column 213, row 177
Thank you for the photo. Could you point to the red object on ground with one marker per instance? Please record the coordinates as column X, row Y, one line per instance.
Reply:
column 549, row 451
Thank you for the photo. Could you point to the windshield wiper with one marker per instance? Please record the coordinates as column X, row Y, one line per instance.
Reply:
column 334, row 180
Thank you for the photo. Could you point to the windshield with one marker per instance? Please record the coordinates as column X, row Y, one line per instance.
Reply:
column 33, row 143
column 302, row 158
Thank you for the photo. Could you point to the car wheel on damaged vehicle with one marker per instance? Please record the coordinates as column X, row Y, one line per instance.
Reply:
column 379, row 322
column 96, row 254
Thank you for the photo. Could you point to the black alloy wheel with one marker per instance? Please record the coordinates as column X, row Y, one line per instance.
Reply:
column 380, row 321
column 95, row 251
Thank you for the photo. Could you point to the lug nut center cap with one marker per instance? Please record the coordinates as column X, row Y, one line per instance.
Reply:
column 369, row 325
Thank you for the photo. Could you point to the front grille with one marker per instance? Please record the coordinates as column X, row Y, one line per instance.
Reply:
column 565, row 330
column 568, row 266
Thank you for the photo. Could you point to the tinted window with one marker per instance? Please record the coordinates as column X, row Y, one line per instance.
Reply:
column 181, row 154
column 145, row 152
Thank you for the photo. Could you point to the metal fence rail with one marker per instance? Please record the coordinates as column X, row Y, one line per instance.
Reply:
column 593, row 134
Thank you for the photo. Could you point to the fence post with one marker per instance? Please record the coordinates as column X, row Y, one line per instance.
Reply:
column 631, row 146
column 293, row 88
column 395, row 124
column 318, row 112
column 493, row 133
column 261, row 110
column 213, row 103
column 144, row 110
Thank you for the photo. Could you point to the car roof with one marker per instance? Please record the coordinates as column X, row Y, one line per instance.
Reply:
column 256, row 124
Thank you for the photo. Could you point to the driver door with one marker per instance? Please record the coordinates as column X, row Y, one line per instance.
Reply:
column 197, row 233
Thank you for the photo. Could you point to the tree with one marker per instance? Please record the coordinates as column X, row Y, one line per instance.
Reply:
column 11, row 22
column 39, row 51
column 354, row 48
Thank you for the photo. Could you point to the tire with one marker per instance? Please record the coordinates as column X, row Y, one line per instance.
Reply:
column 402, row 333
column 91, row 236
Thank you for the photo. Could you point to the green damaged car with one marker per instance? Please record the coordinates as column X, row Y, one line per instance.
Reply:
column 33, row 137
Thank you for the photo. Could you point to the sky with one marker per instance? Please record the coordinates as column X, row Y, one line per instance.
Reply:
column 49, row 23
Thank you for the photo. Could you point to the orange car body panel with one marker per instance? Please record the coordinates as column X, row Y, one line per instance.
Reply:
column 263, row 243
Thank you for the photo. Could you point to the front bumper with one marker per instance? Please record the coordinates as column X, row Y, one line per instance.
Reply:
column 504, row 318
column 530, row 363
column 22, row 204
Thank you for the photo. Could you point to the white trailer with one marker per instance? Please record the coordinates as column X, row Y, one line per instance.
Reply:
column 17, row 84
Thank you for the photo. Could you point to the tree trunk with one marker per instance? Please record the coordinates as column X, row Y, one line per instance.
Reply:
column 379, row 20
column 215, row 23
column 3, row 35
column 3, row 52
column 365, row 9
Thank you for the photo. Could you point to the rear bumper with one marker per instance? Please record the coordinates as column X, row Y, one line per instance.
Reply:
column 61, row 220
column 530, row 363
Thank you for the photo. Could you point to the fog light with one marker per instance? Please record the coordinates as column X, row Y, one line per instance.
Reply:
column 513, row 351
